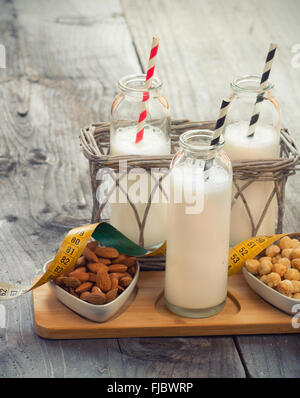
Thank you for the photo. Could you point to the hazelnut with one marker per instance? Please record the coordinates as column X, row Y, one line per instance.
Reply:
column 285, row 261
column 279, row 268
column 296, row 243
column 265, row 258
column 285, row 287
column 265, row 267
column 296, row 263
column 295, row 253
column 292, row 274
column 276, row 259
column 287, row 253
column 285, row 243
column 296, row 285
column 272, row 279
column 272, row 251
column 252, row 266
column 263, row 278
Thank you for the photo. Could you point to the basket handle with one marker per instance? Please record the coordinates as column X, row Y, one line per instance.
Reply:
column 88, row 141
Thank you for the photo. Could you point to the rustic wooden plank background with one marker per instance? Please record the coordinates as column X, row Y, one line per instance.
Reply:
column 63, row 62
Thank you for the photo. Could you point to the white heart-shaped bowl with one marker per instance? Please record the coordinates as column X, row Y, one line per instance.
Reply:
column 271, row 295
column 97, row 313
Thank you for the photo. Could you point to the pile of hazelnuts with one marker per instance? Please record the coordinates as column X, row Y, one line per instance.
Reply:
column 279, row 267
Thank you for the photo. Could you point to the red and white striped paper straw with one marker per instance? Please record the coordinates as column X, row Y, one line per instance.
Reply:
column 146, row 95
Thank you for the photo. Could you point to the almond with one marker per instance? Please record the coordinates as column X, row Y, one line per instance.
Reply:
column 90, row 255
column 111, row 295
column 117, row 268
column 117, row 275
column 114, row 282
column 72, row 291
column 76, row 271
column 130, row 261
column 95, row 289
column 59, row 280
column 80, row 262
column 103, row 281
column 92, row 276
column 120, row 259
column 84, row 296
column 125, row 281
column 95, row 267
column 131, row 270
column 84, row 287
column 107, row 252
column 69, row 270
column 82, row 276
column 79, row 269
column 92, row 245
column 96, row 298
column 103, row 260
column 121, row 289
column 71, row 281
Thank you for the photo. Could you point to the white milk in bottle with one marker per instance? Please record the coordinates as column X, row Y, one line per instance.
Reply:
column 122, row 214
column 263, row 145
column 198, row 235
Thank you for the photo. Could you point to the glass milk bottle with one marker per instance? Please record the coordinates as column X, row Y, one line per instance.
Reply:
column 198, row 227
column 264, row 144
column 125, row 113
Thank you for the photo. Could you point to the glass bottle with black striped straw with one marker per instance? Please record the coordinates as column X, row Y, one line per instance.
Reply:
column 198, row 226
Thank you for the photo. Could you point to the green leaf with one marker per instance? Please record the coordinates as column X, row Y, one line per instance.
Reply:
column 107, row 235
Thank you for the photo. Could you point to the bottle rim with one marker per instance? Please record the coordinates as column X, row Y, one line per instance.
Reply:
column 250, row 84
column 126, row 82
column 199, row 140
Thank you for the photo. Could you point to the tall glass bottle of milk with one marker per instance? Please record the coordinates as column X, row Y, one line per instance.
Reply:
column 264, row 144
column 198, row 227
column 128, row 215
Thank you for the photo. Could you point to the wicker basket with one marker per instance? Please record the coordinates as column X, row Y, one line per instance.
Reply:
column 95, row 145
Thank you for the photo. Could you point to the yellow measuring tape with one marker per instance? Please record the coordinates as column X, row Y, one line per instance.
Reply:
column 67, row 255
column 77, row 238
column 250, row 248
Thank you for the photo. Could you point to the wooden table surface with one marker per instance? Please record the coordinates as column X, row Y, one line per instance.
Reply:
column 64, row 59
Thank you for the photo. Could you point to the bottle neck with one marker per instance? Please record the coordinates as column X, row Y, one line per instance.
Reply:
column 196, row 144
column 250, row 86
column 133, row 86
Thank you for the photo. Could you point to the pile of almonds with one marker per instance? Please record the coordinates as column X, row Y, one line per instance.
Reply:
column 279, row 267
column 99, row 275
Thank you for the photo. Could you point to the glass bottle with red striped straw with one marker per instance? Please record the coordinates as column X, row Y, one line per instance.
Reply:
column 124, row 127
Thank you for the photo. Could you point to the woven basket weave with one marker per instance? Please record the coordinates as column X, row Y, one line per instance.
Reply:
column 95, row 145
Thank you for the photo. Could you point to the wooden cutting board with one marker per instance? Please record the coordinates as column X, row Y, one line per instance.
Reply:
column 244, row 313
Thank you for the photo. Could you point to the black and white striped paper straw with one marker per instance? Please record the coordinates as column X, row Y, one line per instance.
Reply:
column 260, row 96
column 220, row 121
column 218, row 129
